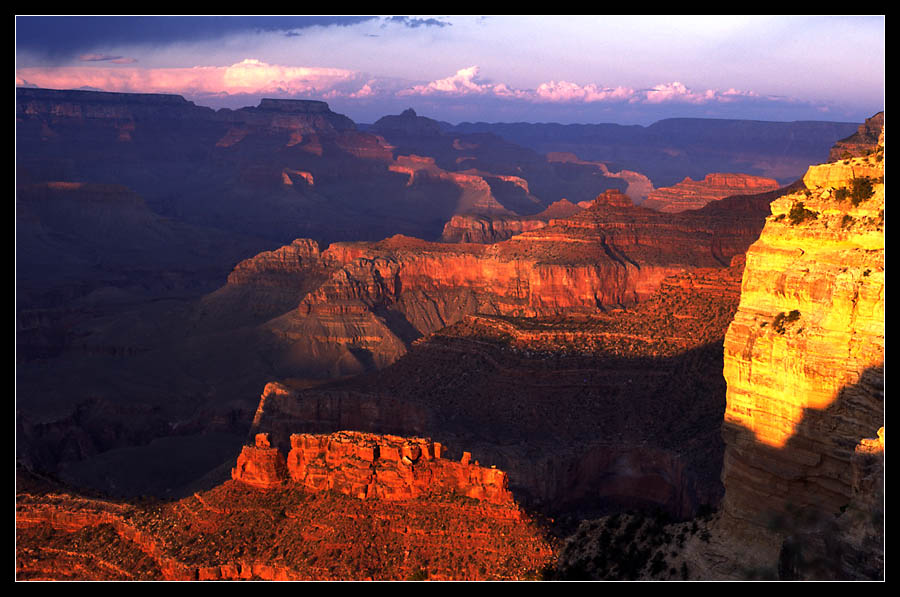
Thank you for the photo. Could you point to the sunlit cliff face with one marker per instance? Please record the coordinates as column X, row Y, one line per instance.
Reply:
column 811, row 317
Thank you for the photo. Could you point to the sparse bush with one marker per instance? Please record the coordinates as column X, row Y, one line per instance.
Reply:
column 784, row 318
column 847, row 220
column 842, row 193
column 799, row 213
column 861, row 190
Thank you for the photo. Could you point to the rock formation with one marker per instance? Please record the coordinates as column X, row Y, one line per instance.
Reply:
column 639, row 186
column 668, row 150
column 612, row 409
column 475, row 192
column 237, row 531
column 382, row 296
column 487, row 229
column 804, row 363
column 864, row 141
column 691, row 194
column 369, row 466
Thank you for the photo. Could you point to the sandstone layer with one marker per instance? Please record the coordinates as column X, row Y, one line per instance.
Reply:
column 615, row 409
column 387, row 294
column 368, row 466
column 694, row 194
column 239, row 532
column 487, row 229
column 804, row 363
column 864, row 141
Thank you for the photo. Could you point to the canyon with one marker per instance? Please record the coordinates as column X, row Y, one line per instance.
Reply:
column 297, row 348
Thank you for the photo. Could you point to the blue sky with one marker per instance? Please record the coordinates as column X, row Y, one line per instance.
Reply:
column 501, row 68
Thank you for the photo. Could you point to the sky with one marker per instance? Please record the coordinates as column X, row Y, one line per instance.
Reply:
column 491, row 68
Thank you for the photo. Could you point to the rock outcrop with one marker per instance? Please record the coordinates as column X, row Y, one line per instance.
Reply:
column 487, row 229
column 475, row 196
column 862, row 142
column 804, row 363
column 694, row 194
column 369, row 466
column 620, row 408
column 382, row 296
column 237, row 532
column 639, row 186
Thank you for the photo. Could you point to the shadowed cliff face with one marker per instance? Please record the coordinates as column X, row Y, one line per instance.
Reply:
column 607, row 411
column 812, row 508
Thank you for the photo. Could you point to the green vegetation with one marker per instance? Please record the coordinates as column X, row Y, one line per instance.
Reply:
column 799, row 213
column 861, row 190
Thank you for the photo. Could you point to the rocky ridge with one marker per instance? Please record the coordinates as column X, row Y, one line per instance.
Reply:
column 571, row 407
column 386, row 294
column 859, row 143
column 694, row 194
column 486, row 229
column 239, row 532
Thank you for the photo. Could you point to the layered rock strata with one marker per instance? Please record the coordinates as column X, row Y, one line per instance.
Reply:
column 492, row 229
column 237, row 532
column 864, row 141
column 617, row 409
column 382, row 296
column 369, row 466
column 694, row 194
column 804, row 356
column 639, row 186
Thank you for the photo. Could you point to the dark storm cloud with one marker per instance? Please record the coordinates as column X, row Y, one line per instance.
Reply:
column 67, row 35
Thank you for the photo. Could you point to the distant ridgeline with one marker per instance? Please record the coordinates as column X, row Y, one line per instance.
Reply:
column 669, row 150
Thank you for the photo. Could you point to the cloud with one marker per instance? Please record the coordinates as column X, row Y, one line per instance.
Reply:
column 106, row 58
column 254, row 77
column 415, row 22
column 564, row 91
column 247, row 76
column 467, row 81
column 62, row 36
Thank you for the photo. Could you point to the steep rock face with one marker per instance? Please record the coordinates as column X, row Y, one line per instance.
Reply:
column 860, row 143
column 804, row 356
column 489, row 230
column 618, row 408
column 475, row 192
column 639, row 186
column 693, row 194
column 280, row 267
column 369, row 466
column 387, row 294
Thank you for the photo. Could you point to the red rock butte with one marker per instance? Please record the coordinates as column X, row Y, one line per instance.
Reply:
column 367, row 466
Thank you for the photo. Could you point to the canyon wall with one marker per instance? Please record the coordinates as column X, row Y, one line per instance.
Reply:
column 487, row 229
column 386, row 294
column 861, row 142
column 804, row 363
column 694, row 194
